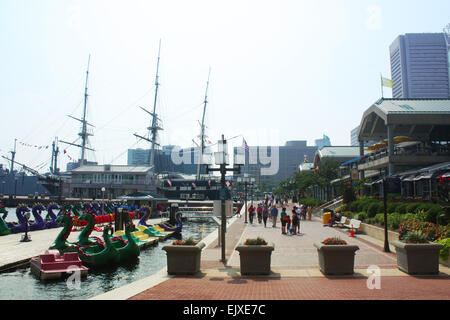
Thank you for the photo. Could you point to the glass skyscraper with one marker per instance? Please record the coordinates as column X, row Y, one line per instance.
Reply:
column 420, row 66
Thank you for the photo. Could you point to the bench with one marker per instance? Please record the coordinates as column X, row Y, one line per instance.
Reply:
column 342, row 222
column 356, row 224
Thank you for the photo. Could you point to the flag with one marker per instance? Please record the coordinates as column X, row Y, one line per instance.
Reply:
column 244, row 144
column 169, row 182
column 305, row 158
column 387, row 82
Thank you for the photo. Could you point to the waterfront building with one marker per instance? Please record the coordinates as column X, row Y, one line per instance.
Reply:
column 413, row 133
column 420, row 66
column 117, row 180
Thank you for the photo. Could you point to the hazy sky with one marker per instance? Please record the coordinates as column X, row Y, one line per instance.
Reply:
column 280, row 70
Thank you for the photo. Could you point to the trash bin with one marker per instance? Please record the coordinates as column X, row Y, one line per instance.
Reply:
column 326, row 216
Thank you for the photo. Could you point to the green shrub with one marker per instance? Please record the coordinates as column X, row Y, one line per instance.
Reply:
column 412, row 207
column 431, row 230
column 426, row 206
column 433, row 213
column 394, row 220
column 311, row 202
column 379, row 219
column 362, row 216
column 401, row 208
column 374, row 208
column 443, row 218
column 347, row 214
column 370, row 221
column 444, row 251
column 391, row 207
column 415, row 237
column 409, row 216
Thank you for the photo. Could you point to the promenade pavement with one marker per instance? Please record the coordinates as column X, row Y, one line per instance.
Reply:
column 295, row 271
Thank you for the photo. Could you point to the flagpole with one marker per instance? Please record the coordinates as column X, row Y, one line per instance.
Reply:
column 381, row 82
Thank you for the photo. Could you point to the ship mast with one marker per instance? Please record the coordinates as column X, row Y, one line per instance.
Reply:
column 84, row 134
column 154, row 128
column 202, row 128
column 13, row 154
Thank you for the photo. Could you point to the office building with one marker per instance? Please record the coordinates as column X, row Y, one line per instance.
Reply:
column 282, row 166
column 324, row 142
column 420, row 66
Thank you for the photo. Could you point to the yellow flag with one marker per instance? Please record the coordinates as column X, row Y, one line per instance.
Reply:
column 387, row 82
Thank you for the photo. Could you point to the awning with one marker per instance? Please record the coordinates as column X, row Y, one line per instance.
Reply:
column 427, row 175
column 446, row 175
column 143, row 196
column 409, row 178
column 350, row 161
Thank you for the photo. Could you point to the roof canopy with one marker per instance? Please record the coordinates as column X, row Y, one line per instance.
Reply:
column 112, row 169
column 336, row 153
column 419, row 119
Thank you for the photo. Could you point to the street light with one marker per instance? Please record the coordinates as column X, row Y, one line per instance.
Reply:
column 221, row 159
column 247, row 181
column 103, row 194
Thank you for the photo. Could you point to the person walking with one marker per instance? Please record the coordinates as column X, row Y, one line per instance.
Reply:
column 265, row 214
column 309, row 211
column 283, row 219
column 304, row 212
column 295, row 221
column 259, row 212
column 274, row 214
column 251, row 213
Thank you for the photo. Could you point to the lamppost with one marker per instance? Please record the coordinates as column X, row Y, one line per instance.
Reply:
column 26, row 237
column 221, row 159
column 247, row 181
column 15, row 187
column 103, row 194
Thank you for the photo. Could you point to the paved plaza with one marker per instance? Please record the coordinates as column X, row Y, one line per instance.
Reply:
column 295, row 271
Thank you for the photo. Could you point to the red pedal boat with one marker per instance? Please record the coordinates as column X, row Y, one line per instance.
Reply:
column 51, row 265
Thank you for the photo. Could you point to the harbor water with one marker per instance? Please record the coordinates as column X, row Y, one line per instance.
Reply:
column 20, row 284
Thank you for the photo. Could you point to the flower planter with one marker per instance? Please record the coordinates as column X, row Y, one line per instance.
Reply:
column 183, row 259
column 255, row 259
column 336, row 259
column 417, row 258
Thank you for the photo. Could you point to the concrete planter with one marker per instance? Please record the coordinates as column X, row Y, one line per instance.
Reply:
column 336, row 259
column 418, row 258
column 255, row 259
column 183, row 259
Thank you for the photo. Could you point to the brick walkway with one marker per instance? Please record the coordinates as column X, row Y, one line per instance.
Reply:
column 295, row 273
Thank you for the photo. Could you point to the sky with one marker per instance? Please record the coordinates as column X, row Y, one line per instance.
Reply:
column 280, row 70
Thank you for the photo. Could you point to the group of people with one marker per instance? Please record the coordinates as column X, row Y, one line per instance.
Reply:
column 290, row 223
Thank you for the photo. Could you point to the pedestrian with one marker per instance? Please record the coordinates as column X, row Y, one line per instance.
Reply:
column 289, row 224
column 295, row 221
column 259, row 212
column 251, row 213
column 309, row 211
column 304, row 212
column 265, row 214
column 283, row 219
column 274, row 214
